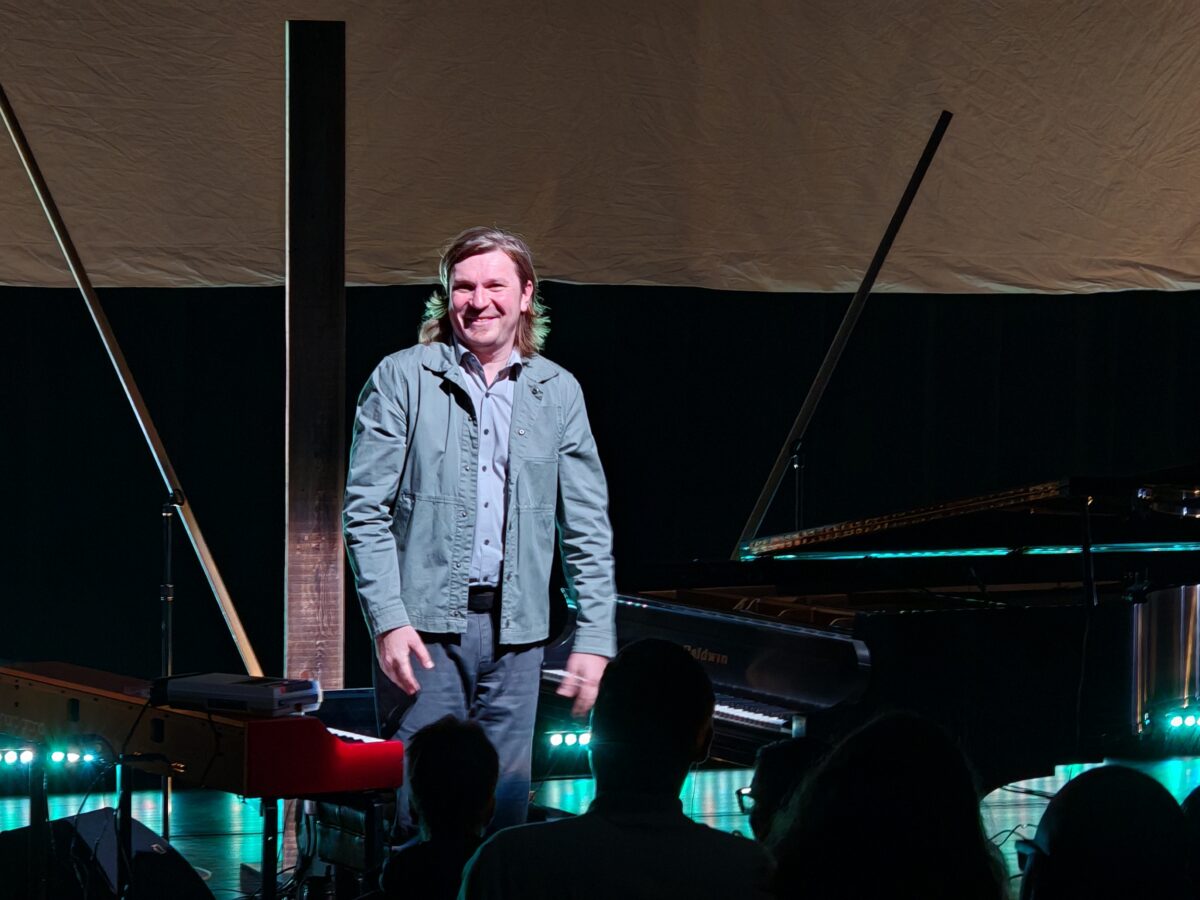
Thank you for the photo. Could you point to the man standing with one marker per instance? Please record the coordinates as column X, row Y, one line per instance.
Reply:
column 469, row 450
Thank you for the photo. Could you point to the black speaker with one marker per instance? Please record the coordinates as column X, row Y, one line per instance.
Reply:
column 83, row 862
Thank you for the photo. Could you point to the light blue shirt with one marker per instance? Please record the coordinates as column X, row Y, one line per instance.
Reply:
column 493, row 412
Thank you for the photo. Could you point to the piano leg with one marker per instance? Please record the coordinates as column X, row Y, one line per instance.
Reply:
column 270, row 841
column 39, row 830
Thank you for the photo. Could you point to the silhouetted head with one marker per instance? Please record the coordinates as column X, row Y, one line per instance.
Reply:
column 652, row 718
column 893, row 811
column 1112, row 832
column 778, row 769
column 452, row 773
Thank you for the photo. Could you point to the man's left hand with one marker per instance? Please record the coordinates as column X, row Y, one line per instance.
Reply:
column 582, row 681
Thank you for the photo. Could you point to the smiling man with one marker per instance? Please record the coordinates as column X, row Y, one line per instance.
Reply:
column 470, row 450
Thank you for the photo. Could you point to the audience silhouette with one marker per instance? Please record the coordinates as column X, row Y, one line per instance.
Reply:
column 892, row 812
column 1110, row 833
column 778, row 770
column 452, row 774
column 652, row 721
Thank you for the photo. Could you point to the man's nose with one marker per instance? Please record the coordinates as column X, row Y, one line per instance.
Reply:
column 478, row 298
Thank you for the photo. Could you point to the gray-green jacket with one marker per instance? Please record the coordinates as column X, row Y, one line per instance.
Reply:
column 409, row 513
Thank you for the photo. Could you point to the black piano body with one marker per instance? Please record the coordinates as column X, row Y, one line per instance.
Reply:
column 1043, row 625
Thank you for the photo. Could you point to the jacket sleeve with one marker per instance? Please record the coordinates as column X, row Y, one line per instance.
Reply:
column 584, row 532
column 377, row 454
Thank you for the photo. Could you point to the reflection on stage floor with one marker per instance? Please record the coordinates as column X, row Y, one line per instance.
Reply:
column 218, row 832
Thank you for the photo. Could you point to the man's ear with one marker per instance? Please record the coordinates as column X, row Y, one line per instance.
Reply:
column 489, row 812
column 526, row 296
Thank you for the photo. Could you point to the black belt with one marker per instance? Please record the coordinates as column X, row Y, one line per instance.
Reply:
column 482, row 598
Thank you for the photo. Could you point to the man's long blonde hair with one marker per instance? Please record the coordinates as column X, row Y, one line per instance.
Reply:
column 535, row 321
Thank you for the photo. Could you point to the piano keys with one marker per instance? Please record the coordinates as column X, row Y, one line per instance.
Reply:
column 55, row 705
column 289, row 756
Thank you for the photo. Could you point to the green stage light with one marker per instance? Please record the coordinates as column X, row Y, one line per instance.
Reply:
column 585, row 739
column 556, row 740
column 72, row 757
column 1189, row 720
column 966, row 552
column 1176, row 721
column 87, row 757
column 11, row 757
column 570, row 739
column 936, row 554
column 57, row 756
column 26, row 756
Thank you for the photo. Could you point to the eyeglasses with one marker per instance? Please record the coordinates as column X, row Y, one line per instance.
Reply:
column 745, row 800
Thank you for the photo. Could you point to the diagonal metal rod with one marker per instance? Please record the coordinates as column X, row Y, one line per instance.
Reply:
column 129, row 386
column 800, row 426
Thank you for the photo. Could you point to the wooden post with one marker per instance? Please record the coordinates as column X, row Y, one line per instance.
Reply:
column 314, row 620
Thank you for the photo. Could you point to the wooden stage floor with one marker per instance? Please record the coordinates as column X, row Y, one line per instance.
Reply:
column 217, row 832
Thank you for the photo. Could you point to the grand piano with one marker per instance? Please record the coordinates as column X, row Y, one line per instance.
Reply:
column 1042, row 625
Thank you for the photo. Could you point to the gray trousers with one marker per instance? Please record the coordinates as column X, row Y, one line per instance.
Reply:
column 472, row 677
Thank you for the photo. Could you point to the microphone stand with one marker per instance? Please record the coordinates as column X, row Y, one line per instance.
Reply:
column 166, row 595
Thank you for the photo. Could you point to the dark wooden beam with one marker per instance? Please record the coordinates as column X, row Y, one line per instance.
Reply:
column 316, row 340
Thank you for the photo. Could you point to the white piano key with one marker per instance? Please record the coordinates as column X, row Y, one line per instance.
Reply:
column 352, row 736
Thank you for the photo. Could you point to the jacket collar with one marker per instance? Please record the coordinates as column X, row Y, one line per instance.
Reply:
column 441, row 361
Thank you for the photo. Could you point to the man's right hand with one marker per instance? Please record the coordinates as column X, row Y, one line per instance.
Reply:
column 394, row 648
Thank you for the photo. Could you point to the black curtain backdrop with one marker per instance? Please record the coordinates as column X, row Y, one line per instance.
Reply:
column 690, row 393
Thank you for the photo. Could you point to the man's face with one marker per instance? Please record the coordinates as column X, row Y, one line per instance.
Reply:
column 487, row 299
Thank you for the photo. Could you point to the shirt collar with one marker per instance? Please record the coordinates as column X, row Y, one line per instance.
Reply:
column 467, row 357
column 635, row 801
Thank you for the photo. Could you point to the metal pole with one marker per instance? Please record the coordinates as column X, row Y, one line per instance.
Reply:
column 132, row 394
column 167, row 601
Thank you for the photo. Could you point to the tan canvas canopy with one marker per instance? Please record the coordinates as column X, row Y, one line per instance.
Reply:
column 722, row 144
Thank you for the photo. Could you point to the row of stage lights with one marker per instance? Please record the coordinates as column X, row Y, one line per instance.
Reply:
column 569, row 738
column 27, row 756
column 1179, row 720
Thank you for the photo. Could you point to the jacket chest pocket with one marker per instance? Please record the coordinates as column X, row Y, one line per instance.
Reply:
column 537, row 484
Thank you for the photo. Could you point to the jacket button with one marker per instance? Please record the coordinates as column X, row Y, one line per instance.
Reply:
column 520, row 431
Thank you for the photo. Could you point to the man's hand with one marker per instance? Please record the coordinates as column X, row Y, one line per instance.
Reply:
column 582, row 681
column 393, row 649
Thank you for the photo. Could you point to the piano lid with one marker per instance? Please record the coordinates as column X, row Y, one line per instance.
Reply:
column 1153, row 512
